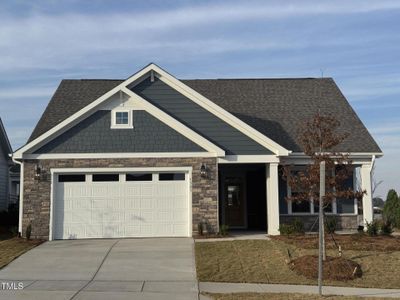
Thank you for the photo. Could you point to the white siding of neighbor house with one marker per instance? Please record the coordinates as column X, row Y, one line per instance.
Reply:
column 3, row 182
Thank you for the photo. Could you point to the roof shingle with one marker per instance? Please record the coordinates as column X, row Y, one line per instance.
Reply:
column 275, row 107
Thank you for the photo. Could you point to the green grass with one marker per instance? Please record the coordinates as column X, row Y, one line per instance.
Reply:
column 11, row 248
column 262, row 261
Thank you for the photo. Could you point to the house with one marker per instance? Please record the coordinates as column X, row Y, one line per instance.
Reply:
column 154, row 156
column 9, row 173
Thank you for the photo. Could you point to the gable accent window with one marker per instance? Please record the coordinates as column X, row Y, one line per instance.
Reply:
column 121, row 119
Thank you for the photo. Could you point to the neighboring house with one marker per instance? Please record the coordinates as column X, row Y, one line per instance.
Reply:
column 9, row 173
column 154, row 156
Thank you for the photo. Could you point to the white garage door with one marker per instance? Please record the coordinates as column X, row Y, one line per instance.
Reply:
column 121, row 205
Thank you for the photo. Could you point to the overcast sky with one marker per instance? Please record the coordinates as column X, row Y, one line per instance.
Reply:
column 355, row 42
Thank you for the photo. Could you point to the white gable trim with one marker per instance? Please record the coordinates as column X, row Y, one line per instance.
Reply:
column 220, row 112
column 173, row 123
column 180, row 87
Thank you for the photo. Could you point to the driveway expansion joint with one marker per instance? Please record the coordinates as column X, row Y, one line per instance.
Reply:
column 97, row 271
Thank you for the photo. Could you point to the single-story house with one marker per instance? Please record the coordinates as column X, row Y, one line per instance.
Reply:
column 9, row 173
column 155, row 156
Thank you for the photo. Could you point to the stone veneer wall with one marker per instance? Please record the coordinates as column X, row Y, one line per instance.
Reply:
column 344, row 222
column 36, row 206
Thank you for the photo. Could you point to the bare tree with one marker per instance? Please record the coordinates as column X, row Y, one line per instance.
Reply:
column 319, row 138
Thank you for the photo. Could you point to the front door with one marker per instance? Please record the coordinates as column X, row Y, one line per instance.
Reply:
column 234, row 202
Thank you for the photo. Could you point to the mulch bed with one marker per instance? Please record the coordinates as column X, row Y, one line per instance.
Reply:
column 360, row 242
column 334, row 268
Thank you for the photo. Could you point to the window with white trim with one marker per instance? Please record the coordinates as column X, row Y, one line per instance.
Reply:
column 121, row 118
column 306, row 207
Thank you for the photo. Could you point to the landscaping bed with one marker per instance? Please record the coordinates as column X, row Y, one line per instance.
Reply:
column 11, row 248
column 262, row 261
column 334, row 268
column 361, row 242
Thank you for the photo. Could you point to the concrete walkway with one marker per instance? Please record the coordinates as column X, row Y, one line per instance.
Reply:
column 104, row 269
column 217, row 287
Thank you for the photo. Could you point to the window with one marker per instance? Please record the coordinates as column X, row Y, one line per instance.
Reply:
column 121, row 119
column 171, row 176
column 139, row 177
column 72, row 178
column 105, row 177
column 301, row 207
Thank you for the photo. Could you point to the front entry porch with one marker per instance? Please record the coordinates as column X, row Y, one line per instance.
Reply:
column 242, row 196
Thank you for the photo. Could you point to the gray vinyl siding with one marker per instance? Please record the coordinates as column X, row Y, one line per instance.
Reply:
column 94, row 135
column 197, row 118
column 3, row 182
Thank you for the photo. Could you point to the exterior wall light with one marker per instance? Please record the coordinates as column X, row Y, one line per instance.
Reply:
column 203, row 171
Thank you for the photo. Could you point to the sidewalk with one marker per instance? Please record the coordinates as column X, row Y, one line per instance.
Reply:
column 220, row 287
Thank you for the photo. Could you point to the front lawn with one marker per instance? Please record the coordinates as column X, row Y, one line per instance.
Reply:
column 262, row 261
column 11, row 248
column 271, row 296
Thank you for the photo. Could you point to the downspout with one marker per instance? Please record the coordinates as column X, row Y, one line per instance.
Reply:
column 21, row 194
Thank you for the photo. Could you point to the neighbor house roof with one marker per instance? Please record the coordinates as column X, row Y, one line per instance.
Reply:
column 5, row 145
column 274, row 107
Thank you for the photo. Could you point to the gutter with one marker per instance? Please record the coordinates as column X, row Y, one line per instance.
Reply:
column 21, row 194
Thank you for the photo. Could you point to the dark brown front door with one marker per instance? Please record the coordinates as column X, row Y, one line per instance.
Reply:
column 234, row 202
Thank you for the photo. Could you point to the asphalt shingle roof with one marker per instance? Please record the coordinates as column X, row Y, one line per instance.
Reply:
column 275, row 107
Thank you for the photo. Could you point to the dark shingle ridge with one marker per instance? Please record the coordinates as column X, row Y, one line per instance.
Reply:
column 273, row 106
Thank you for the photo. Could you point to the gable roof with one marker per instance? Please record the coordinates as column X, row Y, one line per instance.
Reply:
column 274, row 107
column 5, row 145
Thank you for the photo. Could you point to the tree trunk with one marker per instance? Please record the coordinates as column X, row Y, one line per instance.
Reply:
column 321, row 224
column 323, row 237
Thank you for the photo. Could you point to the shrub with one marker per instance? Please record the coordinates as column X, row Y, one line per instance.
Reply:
column 223, row 230
column 386, row 227
column 372, row 228
column 200, row 228
column 391, row 210
column 295, row 227
column 286, row 229
column 330, row 224
column 28, row 232
column 298, row 226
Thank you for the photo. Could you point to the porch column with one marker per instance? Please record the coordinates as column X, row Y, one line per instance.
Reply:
column 272, row 198
column 368, row 212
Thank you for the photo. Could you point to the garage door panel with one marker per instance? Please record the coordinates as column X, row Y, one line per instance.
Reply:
column 121, row 209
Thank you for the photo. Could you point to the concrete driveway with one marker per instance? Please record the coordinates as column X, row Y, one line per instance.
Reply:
column 104, row 269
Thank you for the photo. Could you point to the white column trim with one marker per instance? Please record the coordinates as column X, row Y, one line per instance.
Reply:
column 368, row 212
column 272, row 198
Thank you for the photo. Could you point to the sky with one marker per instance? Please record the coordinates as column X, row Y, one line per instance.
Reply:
column 356, row 42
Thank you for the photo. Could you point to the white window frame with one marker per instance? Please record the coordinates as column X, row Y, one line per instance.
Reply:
column 114, row 124
column 312, row 209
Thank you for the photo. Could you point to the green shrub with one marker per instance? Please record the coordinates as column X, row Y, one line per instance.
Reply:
column 386, row 227
column 286, row 229
column 372, row 228
column 200, row 228
column 295, row 227
column 391, row 210
column 224, row 230
column 298, row 226
column 330, row 224
column 28, row 232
